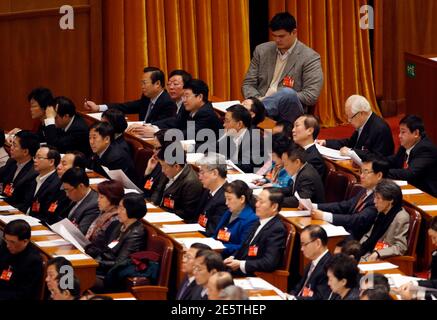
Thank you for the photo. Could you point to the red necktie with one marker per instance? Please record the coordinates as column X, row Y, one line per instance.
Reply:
column 405, row 164
column 360, row 204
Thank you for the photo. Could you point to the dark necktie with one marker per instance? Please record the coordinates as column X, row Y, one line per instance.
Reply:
column 149, row 111
column 405, row 164
column 184, row 288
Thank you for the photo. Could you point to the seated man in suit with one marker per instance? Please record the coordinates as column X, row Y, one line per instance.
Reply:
column 416, row 159
column 155, row 103
column 240, row 144
column 179, row 189
column 285, row 74
column 358, row 213
column 314, row 283
column 206, row 263
column 17, row 177
column 64, row 128
column 21, row 266
column 188, row 285
column 305, row 131
column 84, row 208
column 306, row 180
column 372, row 134
column 212, row 204
column 264, row 247
column 106, row 154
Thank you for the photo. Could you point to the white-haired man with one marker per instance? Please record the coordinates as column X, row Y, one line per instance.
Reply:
column 372, row 134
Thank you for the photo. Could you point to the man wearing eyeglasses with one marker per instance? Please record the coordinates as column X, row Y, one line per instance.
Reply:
column 372, row 134
column 17, row 177
column 358, row 213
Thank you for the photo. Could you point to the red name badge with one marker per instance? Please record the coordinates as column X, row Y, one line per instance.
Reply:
column 6, row 275
column 307, row 292
column 203, row 220
column 53, row 207
column 149, row 183
column 253, row 251
column 224, row 235
column 288, row 82
column 269, row 176
column 9, row 190
column 381, row 245
column 169, row 203
column 35, row 206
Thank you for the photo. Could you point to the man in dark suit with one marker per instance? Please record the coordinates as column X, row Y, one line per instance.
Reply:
column 21, row 267
column 212, row 204
column 17, row 177
column 372, row 134
column 264, row 247
column 241, row 144
column 155, row 103
column 206, row 263
column 305, row 131
column 306, row 180
column 358, row 213
column 64, row 128
column 179, row 188
column 416, row 159
column 107, row 154
column 84, row 208
column 314, row 283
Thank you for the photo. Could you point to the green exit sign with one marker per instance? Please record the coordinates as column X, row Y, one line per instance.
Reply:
column 411, row 70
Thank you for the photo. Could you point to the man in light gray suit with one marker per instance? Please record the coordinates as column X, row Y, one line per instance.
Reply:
column 285, row 74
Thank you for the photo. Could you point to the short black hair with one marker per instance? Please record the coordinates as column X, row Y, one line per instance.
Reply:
column 389, row 190
column 352, row 248
column 280, row 143
column 317, row 232
column 65, row 106
column 295, row 152
column 377, row 293
column 184, row 74
column 116, row 118
column 240, row 189
column 58, row 263
column 413, row 123
column 198, row 87
column 286, row 127
column 2, row 138
column 311, row 121
column 160, row 136
column 344, row 267
column 283, row 20
column 105, row 129
column 29, row 141
column 378, row 164
column 240, row 113
column 43, row 96
column 135, row 205
column 75, row 291
column 433, row 224
column 80, row 159
column 275, row 196
column 178, row 154
column 258, row 109
column 54, row 154
column 378, row 280
column 19, row 228
column 200, row 246
column 156, row 75
column 212, row 260
column 75, row 176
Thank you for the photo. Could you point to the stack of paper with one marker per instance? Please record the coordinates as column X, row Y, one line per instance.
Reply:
column 178, row 228
column 36, row 233
column 397, row 280
column 331, row 153
column 74, row 257
column 401, row 183
column 222, row 106
column 334, row 231
column 355, row 158
column 193, row 158
column 411, row 191
column 428, row 208
column 159, row 217
column 305, row 202
column 376, row 266
column 214, row 244
column 233, row 166
column 151, row 206
column 52, row 243
column 294, row 214
column 120, row 176
column 30, row 220
column 7, row 208
column 97, row 180
column 256, row 283
column 249, row 178
column 97, row 115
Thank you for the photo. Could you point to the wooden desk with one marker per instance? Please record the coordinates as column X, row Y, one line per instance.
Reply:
column 120, row 296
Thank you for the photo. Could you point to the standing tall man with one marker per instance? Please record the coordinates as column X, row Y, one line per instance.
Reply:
column 285, row 74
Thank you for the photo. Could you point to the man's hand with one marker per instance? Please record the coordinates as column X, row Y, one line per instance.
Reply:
column 317, row 214
column 345, row 151
column 141, row 131
column 91, row 106
column 151, row 165
column 232, row 263
column 321, row 142
column 50, row 112
column 405, row 291
column 373, row 257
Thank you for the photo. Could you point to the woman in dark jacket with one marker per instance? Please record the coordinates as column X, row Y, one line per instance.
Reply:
column 342, row 272
column 118, row 121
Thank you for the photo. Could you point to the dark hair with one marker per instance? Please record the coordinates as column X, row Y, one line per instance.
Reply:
column 198, row 87
column 433, row 224
column 283, row 20
column 2, row 138
column 212, row 260
column 179, row 72
column 105, row 129
column 389, row 190
column 41, row 95
column 276, row 196
column 352, row 248
column 156, row 75
column 379, row 280
column 75, row 291
column 53, row 154
column 413, row 123
column 116, row 118
column 317, row 232
column 160, row 136
column 58, row 263
column 286, row 127
column 75, row 176
column 224, row 279
column 29, row 141
column 178, row 154
column 240, row 188
column 200, row 246
column 258, row 109
column 378, row 164
column 19, row 228
column 295, row 152
column 65, row 106
column 280, row 143
column 113, row 190
column 135, row 206
column 311, row 121
column 377, row 293
column 240, row 113
column 80, row 160
column 344, row 267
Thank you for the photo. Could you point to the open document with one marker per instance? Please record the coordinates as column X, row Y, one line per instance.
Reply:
column 249, row 178
column 331, row 153
column 67, row 230
column 305, row 202
column 355, row 158
column 211, row 242
column 223, row 106
column 119, row 175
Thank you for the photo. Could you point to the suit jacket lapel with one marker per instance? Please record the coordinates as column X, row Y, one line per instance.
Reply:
column 271, row 63
column 291, row 60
